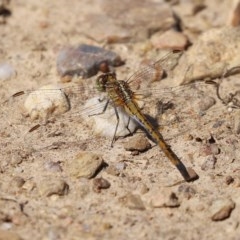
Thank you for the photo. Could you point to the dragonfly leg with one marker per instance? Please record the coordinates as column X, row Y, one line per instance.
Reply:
column 103, row 111
column 115, row 131
column 127, row 126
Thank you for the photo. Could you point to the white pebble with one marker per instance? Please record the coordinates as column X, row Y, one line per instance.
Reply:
column 105, row 124
column 47, row 101
column 6, row 71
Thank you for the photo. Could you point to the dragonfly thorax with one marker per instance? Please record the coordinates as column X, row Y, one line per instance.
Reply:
column 118, row 90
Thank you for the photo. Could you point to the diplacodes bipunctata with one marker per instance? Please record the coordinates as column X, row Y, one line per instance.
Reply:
column 119, row 94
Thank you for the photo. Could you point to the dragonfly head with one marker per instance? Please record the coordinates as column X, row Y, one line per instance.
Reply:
column 104, row 79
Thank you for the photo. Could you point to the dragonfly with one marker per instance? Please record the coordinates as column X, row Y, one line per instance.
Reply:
column 120, row 93
column 125, row 94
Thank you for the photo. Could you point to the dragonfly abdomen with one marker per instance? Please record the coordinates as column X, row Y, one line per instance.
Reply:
column 133, row 109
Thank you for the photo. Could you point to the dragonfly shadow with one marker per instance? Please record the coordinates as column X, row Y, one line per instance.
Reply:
column 153, row 121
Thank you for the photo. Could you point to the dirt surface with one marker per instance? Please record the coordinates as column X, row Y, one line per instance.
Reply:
column 64, row 181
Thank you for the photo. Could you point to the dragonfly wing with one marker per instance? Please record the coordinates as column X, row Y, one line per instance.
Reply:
column 169, row 61
column 154, row 72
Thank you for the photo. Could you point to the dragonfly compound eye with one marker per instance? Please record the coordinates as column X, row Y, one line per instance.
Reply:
column 101, row 82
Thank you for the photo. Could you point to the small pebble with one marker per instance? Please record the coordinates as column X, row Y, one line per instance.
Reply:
column 209, row 163
column 206, row 103
column 116, row 169
column 112, row 170
column 53, row 166
column 18, row 181
column 229, row 180
column 221, row 209
column 187, row 191
column 133, row 201
column 137, row 143
column 188, row 137
column 29, row 185
column 107, row 226
column 198, row 139
column 6, row 71
column 170, row 39
column 85, row 60
column 47, row 101
column 49, row 186
column 120, row 166
column 85, row 164
column 164, row 198
column 215, row 149
column 6, row 226
column 16, row 159
column 142, row 188
column 100, row 183
column 218, row 123
column 209, row 149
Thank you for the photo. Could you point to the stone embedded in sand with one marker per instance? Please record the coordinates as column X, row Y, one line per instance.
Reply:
column 221, row 209
column 215, row 52
column 53, row 166
column 170, row 39
column 137, row 143
column 209, row 149
column 209, row 163
column 105, row 124
column 7, row 71
column 85, row 60
column 85, row 164
column 186, row 191
column 100, row 183
column 132, row 201
column 229, row 180
column 48, row 186
column 18, row 181
column 47, row 101
column 205, row 103
column 164, row 198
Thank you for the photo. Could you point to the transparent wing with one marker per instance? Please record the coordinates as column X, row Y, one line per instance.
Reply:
column 154, row 72
column 56, row 101
column 78, row 94
column 27, row 112
column 34, row 117
column 181, row 98
column 52, row 102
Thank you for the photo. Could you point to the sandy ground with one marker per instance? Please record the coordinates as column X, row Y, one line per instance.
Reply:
column 41, row 197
